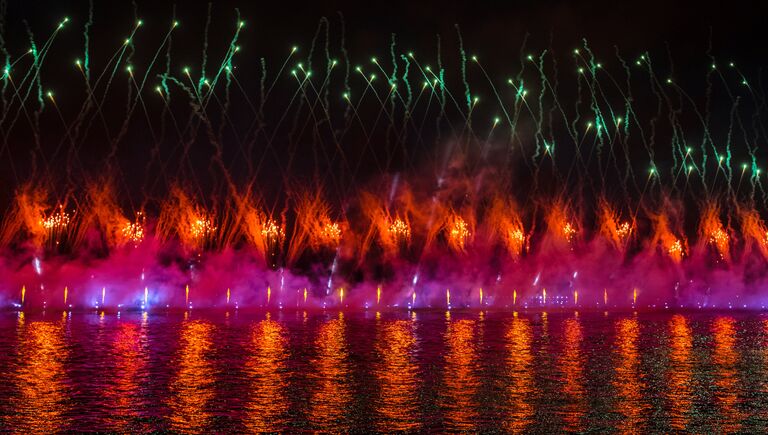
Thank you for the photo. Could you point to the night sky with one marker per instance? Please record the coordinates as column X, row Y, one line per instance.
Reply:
column 679, row 36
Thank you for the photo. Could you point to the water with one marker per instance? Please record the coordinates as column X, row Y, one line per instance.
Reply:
column 396, row 371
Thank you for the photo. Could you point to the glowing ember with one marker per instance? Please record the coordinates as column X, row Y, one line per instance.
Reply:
column 568, row 231
column 56, row 221
column 272, row 231
column 330, row 233
column 399, row 230
column 458, row 233
column 623, row 230
column 202, row 227
column 134, row 231
column 675, row 250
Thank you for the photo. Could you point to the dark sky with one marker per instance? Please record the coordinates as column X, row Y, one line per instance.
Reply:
column 492, row 27
column 679, row 31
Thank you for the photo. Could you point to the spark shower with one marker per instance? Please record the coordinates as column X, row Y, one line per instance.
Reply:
column 174, row 167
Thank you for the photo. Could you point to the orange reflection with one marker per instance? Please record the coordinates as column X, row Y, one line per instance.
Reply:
column 43, row 397
column 397, row 377
column 628, row 382
column 460, row 379
column 726, row 380
column 680, row 389
column 520, row 390
column 332, row 392
column 129, row 356
column 192, row 388
column 572, row 365
column 267, row 368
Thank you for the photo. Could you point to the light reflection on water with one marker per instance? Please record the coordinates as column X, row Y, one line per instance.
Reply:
column 680, row 372
column 128, row 351
column 629, row 382
column 397, row 377
column 192, row 388
column 331, row 386
column 725, row 358
column 386, row 372
column 266, row 366
column 520, row 391
column 460, row 379
column 571, row 362
column 42, row 402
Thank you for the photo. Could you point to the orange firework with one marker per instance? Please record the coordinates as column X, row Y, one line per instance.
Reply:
column 458, row 232
column 711, row 230
column 754, row 230
column 616, row 231
column 313, row 226
column 105, row 214
column 666, row 239
column 133, row 232
column 57, row 230
column 505, row 225
column 398, row 231
column 62, row 231
column 264, row 233
column 560, row 224
column 195, row 226
column 26, row 217
column 394, row 232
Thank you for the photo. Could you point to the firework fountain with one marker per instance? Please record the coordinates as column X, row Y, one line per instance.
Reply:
column 578, row 179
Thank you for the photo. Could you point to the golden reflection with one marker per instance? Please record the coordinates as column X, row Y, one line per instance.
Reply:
column 332, row 391
column 628, row 383
column 571, row 362
column 267, row 367
column 460, row 378
column 43, row 399
column 192, row 388
column 397, row 377
column 680, row 391
column 521, row 388
column 726, row 379
column 129, row 353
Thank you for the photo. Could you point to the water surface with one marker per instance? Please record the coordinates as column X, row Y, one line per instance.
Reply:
column 391, row 371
